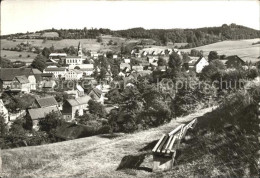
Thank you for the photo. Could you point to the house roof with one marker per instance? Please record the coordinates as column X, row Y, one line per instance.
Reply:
column 235, row 57
column 57, row 54
column 194, row 61
column 41, row 112
column 77, row 71
column 47, row 74
column 22, row 79
column 54, row 69
column 8, row 74
column 48, row 84
column 79, row 101
column 124, row 65
column 97, row 92
column 46, row 101
column 72, row 57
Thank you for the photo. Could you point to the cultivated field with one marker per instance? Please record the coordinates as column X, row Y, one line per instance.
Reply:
column 243, row 48
column 97, row 156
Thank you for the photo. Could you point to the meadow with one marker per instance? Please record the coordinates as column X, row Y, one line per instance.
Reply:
column 243, row 48
column 119, row 155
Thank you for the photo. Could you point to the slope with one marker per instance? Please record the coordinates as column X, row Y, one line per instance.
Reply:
column 97, row 156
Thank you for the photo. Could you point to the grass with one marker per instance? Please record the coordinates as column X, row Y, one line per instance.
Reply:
column 97, row 156
column 243, row 48
column 14, row 55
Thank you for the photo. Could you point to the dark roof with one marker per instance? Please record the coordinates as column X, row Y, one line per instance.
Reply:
column 22, row 79
column 48, row 84
column 53, row 69
column 47, row 74
column 97, row 92
column 41, row 112
column 46, row 101
column 234, row 57
column 8, row 74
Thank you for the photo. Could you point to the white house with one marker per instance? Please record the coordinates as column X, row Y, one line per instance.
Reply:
column 4, row 111
column 74, row 60
column 86, row 68
column 197, row 64
column 56, row 71
column 115, row 56
column 127, row 61
column 73, row 74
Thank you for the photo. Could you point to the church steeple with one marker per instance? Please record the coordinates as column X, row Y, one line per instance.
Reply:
column 79, row 50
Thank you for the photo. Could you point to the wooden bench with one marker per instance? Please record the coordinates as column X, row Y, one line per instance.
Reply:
column 164, row 151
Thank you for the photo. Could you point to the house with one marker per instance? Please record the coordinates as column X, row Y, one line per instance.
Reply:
column 234, row 61
column 4, row 111
column 7, row 75
column 127, row 61
column 47, row 76
column 58, row 72
column 197, row 64
column 96, row 95
column 48, row 101
column 115, row 56
column 87, row 69
column 57, row 57
column 48, row 85
column 138, row 68
column 73, row 74
column 78, row 91
column 153, row 60
column 144, row 54
column 20, row 84
column 73, row 106
column 75, row 60
column 125, row 65
column 38, row 113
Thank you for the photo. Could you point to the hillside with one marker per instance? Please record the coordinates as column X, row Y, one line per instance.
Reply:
column 97, row 156
column 243, row 48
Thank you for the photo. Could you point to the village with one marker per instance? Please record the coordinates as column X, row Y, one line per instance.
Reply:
column 129, row 89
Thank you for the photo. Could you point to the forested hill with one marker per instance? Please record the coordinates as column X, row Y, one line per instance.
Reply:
column 195, row 37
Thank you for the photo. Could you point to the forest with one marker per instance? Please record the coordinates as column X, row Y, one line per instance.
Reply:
column 194, row 37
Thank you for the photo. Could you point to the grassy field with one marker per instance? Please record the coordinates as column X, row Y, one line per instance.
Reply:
column 14, row 55
column 97, row 156
column 243, row 48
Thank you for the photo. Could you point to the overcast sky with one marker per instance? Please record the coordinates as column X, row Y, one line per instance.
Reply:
column 32, row 15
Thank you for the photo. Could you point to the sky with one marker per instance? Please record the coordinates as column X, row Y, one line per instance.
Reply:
column 32, row 15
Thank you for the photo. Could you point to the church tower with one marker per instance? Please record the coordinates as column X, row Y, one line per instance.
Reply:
column 79, row 50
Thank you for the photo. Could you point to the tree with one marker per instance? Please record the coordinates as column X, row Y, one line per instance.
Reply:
column 39, row 62
column 5, row 63
column 175, row 62
column 96, row 108
column 209, row 71
column 3, row 125
column 99, row 39
column 213, row 55
column 50, row 122
column 46, row 52
column 161, row 62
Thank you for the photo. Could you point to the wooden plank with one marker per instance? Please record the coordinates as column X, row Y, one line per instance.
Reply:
column 167, row 145
column 162, row 143
column 158, row 143
column 176, row 130
column 171, row 144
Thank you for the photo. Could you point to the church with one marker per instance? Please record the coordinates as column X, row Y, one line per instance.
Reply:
column 75, row 60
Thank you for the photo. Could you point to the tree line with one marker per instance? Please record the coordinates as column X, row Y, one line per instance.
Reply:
column 194, row 37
